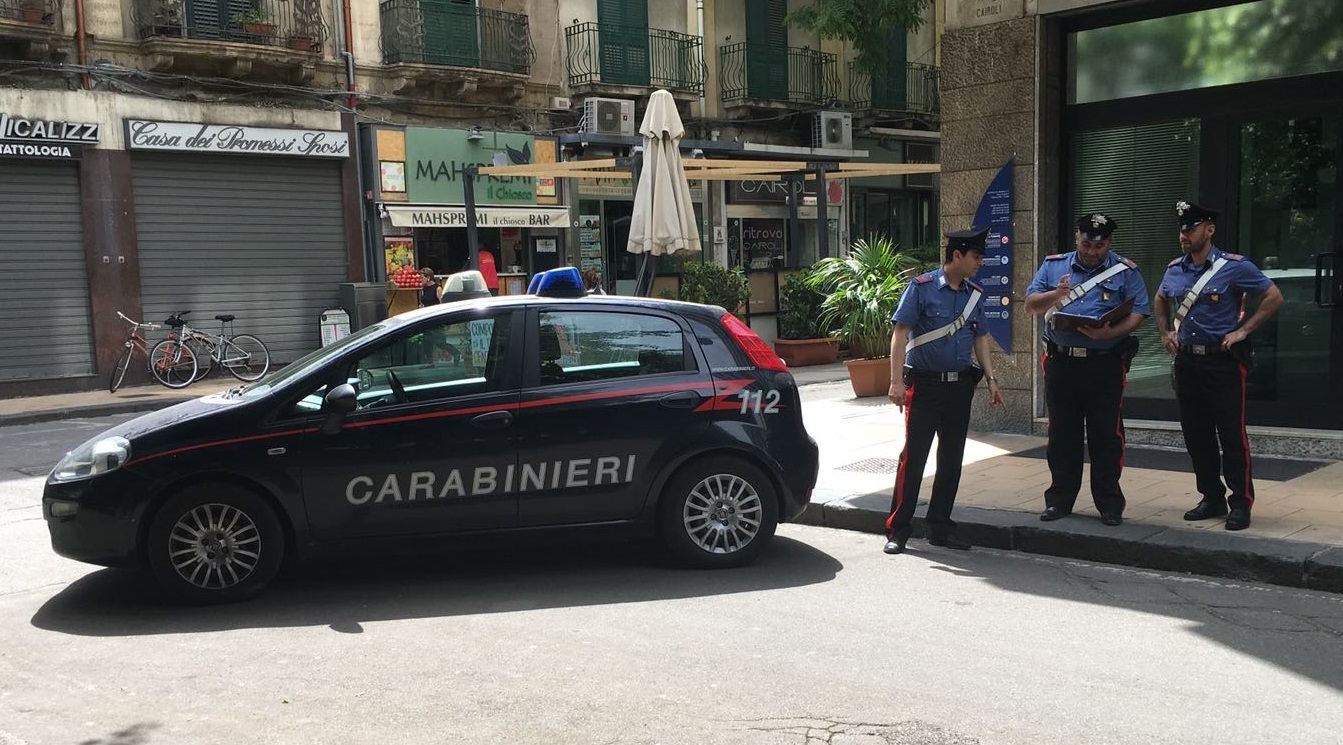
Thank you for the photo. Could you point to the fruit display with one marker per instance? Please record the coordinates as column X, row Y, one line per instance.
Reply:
column 406, row 276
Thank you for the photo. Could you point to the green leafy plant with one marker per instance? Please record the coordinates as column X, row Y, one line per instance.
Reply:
column 254, row 14
column 711, row 284
column 867, row 24
column 800, row 311
column 862, row 291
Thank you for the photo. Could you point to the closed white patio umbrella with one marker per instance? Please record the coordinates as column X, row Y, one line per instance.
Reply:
column 664, row 218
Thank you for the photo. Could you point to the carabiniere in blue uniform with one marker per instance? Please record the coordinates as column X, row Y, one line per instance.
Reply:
column 1084, row 378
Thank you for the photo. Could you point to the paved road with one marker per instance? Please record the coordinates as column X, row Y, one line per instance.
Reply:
column 826, row 640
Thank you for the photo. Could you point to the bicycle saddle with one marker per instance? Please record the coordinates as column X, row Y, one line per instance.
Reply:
column 225, row 319
column 175, row 320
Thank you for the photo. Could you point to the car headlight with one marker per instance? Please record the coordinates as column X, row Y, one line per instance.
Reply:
column 96, row 456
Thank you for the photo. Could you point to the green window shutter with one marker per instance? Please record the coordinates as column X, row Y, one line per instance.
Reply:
column 622, row 38
column 890, row 88
column 767, row 49
column 451, row 34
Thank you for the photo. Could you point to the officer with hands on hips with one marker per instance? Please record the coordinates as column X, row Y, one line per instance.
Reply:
column 1085, row 367
column 1206, row 288
column 938, row 323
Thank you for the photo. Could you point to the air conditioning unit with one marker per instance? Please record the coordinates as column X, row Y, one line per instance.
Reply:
column 560, row 103
column 832, row 129
column 608, row 116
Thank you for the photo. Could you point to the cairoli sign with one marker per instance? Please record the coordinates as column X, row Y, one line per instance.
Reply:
column 229, row 138
column 435, row 159
column 412, row 216
column 44, row 138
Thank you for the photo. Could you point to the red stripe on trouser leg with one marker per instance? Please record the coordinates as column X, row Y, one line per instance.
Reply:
column 1245, row 437
column 1043, row 357
column 898, row 491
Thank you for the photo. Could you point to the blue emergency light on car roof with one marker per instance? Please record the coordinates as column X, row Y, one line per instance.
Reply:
column 562, row 282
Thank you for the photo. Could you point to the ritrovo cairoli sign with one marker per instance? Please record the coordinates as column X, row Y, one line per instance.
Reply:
column 231, row 138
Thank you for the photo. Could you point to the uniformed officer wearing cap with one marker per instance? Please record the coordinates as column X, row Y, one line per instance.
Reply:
column 1085, row 367
column 938, row 324
column 1198, row 313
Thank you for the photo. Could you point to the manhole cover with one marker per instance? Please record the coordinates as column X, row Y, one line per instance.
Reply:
column 873, row 465
column 34, row 470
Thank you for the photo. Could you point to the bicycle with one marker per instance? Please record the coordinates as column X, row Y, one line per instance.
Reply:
column 243, row 355
column 174, row 367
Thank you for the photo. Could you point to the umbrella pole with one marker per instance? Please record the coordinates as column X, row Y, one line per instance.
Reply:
column 643, row 284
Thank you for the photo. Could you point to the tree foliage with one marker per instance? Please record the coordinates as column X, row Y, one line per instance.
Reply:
column 867, row 24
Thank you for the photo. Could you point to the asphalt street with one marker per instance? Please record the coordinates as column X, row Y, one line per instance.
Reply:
column 825, row 640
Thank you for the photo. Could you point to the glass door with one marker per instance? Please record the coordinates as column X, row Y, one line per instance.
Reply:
column 1287, row 212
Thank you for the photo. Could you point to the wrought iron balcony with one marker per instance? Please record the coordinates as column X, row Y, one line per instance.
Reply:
column 915, row 93
column 295, row 24
column 754, row 70
column 611, row 54
column 43, row 14
column 454, row 35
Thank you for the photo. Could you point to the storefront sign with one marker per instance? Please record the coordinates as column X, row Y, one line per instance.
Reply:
column 995, row 210
column 619, row 187
column 227, row 138
column 436, row 157
column 763, row 243
column 57, row 151
column 776, row 192
column 42, row 130
column 968, row 13
column 409, row 216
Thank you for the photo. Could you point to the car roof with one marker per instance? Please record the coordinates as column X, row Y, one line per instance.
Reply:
column 708, row 312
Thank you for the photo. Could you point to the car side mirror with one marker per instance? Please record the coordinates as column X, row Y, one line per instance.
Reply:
column 338, row 403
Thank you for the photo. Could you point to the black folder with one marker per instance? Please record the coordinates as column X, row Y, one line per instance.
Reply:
column 1064, row 321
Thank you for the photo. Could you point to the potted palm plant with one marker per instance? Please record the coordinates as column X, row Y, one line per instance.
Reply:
column 804, row 338
column 861, row 293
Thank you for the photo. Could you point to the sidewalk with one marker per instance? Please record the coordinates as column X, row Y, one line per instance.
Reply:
column 1296, row 538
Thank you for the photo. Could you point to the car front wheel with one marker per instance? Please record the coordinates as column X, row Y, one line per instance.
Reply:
column 214, row 544
column 718, row 512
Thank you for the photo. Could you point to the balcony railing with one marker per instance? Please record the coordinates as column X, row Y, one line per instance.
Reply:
column 633, row 55
column 294, row 24
column 772, row 73
column 43, row 13
column 455, row 36
column 915, row 93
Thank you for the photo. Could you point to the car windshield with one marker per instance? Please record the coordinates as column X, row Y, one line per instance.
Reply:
column 313, row 359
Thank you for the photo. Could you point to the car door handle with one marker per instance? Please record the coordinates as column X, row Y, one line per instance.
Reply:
column 493, row 420
column 680, row 400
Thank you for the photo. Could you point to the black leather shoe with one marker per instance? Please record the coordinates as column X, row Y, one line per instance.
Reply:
column 895, row 546
column 1112, row 518
column 1205, row 509
column 1239, row 519
column 1054, row 513
column 949, row 541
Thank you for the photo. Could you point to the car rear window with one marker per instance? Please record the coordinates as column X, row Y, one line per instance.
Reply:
column 577, row 346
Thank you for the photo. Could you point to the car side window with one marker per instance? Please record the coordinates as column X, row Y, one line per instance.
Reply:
column 456, row 358
column 582, row 346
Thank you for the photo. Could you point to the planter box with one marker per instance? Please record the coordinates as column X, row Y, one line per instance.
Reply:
column 869, row 377
column 803, row 352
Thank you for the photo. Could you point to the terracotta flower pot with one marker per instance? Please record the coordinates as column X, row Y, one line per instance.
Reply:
column 301, row 42
column 869, row 377
column 803, row 352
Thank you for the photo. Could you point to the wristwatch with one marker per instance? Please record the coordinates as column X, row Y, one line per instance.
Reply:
column 992, row 379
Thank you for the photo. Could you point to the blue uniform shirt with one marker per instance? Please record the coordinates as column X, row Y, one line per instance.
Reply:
column 929, row 303
column 1216, row 311
column 1100, row 299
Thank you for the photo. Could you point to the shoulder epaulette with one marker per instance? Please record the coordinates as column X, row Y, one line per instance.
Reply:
column 974, row 286
column 1130, row 264
column 1173, row 262
column 922, row 278
column 1234, row 257
column 1055, row 257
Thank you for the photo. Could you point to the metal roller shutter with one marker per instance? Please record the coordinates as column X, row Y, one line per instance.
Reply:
column 259, row 238
column 45, row 302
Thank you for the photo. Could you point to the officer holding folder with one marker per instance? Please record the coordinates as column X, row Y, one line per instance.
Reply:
column 1092, row 301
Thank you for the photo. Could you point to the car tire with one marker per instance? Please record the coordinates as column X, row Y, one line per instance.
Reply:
column 717, row 512
column 214, row 544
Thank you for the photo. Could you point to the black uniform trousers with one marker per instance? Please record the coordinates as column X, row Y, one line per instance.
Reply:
column 932, row 408
column 1084, row 395
column 1210, row 389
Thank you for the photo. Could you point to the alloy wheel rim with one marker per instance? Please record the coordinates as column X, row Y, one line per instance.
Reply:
column 215, row 546
column 722, row 514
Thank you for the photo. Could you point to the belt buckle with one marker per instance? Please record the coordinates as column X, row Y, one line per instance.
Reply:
column 951, row 377
column 1198, row 349
column 1077, row 351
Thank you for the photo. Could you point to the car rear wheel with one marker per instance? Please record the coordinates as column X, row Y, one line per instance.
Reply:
column 214, row 544
column 718, row 512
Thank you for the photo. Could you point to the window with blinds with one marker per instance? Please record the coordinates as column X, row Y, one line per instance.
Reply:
column 1136, row 175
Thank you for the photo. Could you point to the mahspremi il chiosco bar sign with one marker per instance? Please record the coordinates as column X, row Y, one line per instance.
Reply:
column 228, row 138
column 42, row 138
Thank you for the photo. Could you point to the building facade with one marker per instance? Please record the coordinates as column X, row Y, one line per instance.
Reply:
column 1127, row 108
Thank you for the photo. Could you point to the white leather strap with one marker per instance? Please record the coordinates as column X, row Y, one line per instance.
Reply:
column 1192, row 295
column 1084, row 288
column 948, row 329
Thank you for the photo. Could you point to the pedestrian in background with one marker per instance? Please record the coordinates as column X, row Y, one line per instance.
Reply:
column 1207, row 335
column 938, row 324
column 592, row 283
column 1085, row 365
column 430, row 291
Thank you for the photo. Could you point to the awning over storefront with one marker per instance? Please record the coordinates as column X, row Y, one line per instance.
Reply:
column 431, row 216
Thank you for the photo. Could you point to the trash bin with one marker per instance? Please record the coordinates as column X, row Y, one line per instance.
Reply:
column 335, row 324
column 365, row 302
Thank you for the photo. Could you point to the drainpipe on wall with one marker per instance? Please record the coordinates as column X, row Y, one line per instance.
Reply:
column 81, row 48
column 371, row 265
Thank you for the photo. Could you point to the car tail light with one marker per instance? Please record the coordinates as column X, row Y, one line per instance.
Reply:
column 756, row 349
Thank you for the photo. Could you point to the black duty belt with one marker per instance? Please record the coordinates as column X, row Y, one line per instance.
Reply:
column 1060, row 351
column 1201, row 349
column 940, row 377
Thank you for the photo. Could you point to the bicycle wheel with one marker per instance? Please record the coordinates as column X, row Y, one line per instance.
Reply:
column 173, row 364
column 119, row 369
column 245, row 357
column 205, row 353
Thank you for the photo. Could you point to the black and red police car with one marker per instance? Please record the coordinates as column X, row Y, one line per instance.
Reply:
column 471, row 418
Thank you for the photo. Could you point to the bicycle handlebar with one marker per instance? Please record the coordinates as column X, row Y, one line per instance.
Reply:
column 137, row 324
